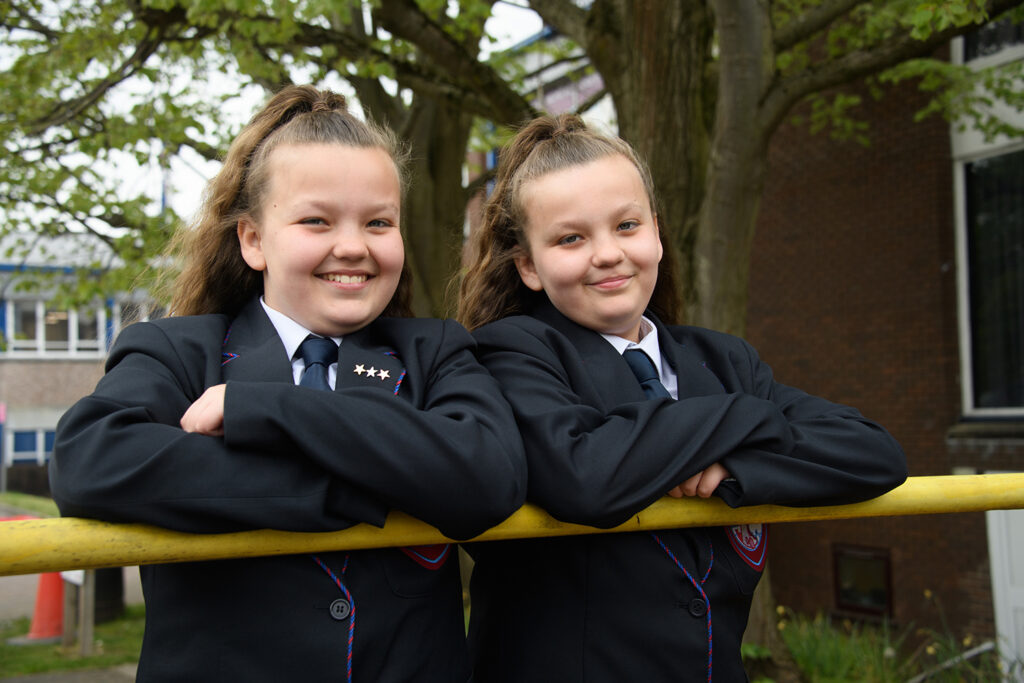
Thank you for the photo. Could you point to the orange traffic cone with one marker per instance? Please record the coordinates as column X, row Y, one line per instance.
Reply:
column 48, row 616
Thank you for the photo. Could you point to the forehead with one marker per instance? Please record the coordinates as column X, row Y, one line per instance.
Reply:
column 332, row 167
column 600, row 184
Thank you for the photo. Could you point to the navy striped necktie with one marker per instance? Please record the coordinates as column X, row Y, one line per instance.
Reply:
column 643, row 367
column 317, row 353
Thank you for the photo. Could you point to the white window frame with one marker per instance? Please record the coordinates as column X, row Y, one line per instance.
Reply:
column 969, row 146
column 21, row 348
column 40, row 455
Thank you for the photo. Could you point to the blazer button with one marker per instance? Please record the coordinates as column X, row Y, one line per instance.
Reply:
column 698, row 607
column 340, row 609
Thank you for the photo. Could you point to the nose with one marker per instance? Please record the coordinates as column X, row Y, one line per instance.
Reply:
column 607, row 251
column 349, row 244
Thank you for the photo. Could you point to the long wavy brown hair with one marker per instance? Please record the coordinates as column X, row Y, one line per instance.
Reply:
column 491, row 288
column 214, row 278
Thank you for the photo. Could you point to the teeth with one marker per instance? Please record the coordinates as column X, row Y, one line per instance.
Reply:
column 344, row 279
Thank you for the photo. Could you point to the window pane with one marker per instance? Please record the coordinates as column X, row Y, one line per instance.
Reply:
column 24, row 324
column 88, row 329
column 862, row 579
column 995, row 254
column 56, row 330
column 25, row 442
column 992, row 38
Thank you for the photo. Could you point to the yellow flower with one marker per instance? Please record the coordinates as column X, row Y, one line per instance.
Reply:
column 927, row 593
column 780, row 610
column 782, row 625
column 930, row 649
column 968, row 640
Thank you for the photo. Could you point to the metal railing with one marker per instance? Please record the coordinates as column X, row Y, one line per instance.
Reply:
column 45, row 545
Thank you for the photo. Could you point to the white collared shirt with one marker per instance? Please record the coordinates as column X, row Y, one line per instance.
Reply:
column 649, row 344
column 292, row 335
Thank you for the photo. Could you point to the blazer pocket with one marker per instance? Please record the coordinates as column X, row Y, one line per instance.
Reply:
column 408, row 579
column 746, row 552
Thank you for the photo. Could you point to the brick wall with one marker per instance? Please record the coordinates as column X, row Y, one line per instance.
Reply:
column 852, row 297
column 51, row 383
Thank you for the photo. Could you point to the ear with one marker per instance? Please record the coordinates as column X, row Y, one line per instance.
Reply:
column 657, row 231
column 251, row 244
column 528, row 272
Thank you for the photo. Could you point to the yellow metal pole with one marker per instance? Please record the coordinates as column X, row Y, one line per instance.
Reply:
column 44, row 545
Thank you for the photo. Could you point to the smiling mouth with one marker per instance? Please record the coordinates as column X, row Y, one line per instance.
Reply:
column 614, row 281
column 344, row 279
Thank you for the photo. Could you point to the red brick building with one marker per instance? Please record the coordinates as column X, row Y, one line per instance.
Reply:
column 860, row 293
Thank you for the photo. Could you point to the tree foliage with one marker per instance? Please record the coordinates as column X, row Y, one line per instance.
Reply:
column 94, row 94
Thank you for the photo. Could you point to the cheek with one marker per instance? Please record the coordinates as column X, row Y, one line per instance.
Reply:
column 391, row 254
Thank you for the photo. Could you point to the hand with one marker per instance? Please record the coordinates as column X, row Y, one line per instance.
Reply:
column 703, row 483
column 206, row 415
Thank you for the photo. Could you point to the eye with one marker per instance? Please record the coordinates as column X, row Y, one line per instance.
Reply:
column 379, row 223
column 569, row 239
column 628, row 225
column 313, row 221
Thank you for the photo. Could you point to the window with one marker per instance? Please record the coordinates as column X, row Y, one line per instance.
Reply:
column 31, row 446
column 988, row 177
column 31, row 327
column 992, row 39
column 994, row 216
column 862, row 583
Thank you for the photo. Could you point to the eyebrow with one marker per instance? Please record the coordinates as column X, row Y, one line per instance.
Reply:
column 325, row 206
column 625, row 208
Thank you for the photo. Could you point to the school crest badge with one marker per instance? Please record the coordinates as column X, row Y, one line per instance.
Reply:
column 750, row 541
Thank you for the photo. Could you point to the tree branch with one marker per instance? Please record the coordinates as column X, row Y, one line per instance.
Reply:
column 785, row 93
column 66, row 111
column 30, row 24
column 588, row 103
column 582, row 57
column 808, row 24
column 405, row 19
column 478, row 184
column 564, row 16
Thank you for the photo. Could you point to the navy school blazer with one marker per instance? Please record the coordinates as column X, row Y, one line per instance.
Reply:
column 431, row 436
column 646, row 607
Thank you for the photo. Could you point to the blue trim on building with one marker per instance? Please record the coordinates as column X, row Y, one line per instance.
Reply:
column 21, row 268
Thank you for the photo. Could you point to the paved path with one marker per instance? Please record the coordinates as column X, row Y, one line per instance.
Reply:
column 18, row 593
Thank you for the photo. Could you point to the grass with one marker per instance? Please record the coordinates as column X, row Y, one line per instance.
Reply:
column 116, row 642
column 32, row 505
column 838, row 652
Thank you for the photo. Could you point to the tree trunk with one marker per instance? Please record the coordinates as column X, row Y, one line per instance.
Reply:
column 736, row 166
column 654, row 58
column 435, row 204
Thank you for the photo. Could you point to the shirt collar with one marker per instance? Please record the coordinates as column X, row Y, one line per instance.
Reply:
column 648, row 342
column 292, row 333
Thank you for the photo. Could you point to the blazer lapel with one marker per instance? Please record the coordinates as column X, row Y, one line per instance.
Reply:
column 612, row 379
column 252, row 349
column 363, row 363
column 694, row 375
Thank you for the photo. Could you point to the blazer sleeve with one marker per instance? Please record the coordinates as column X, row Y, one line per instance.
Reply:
column 120, row 454
column 451, row 458
column 597, row 463
column 835, row 455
